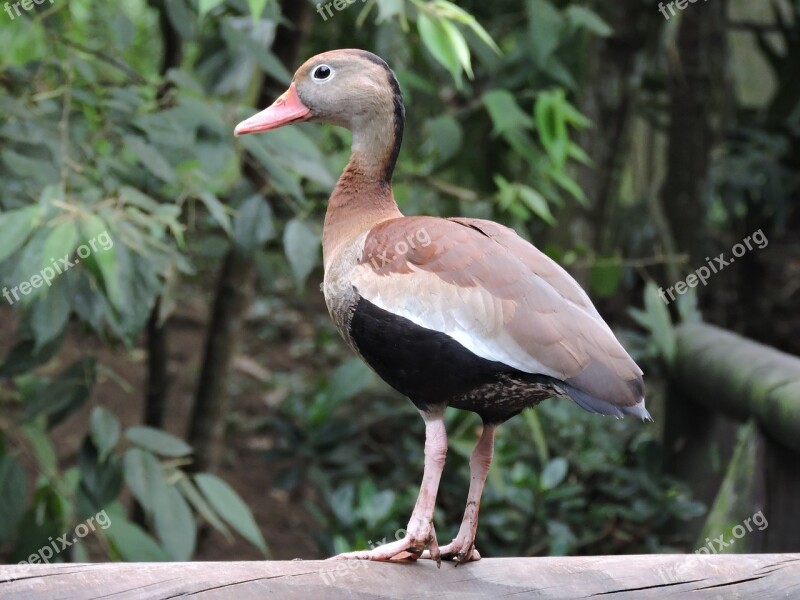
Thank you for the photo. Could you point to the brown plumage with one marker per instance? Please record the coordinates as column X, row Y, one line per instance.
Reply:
column 451, row 312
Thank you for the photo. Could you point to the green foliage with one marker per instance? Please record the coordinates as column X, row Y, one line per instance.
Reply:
column 96, row 140
column 101, row 151
column 12, row 481
column 656, row 319
column 562, row 481
column 152, row 469
column 301, row 243
column 222, row 498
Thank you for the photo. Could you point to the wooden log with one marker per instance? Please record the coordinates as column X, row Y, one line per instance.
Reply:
column 725, row 374
column 695, row 576
column 741, row 378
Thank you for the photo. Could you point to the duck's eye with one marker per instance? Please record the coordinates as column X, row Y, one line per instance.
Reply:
column 322, row 73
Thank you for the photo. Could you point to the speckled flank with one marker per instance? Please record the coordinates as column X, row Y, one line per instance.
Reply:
column 511, row 393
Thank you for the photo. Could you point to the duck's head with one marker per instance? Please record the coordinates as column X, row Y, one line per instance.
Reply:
column 349, row 88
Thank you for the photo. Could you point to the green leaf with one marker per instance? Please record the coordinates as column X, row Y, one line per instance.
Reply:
column 252, row 226
column 15, row 227
column 60, row 243
column 341, row 504
column 505, row 113
column 160, row 442
column 29, row 167
column 135, row 197
column 49, row 315
column 348, row 380
column 588, row 19
column 577, row 153
column 293, row 149
column 231, row 508
column 182, row 18
column 460, row 47
column 688, row 310
column 131, row 542
column 208, row 5
column 537, row 203
column 560, row 73
column 565, row 182
column 105, row 431
column 24, row 358
column 100, row 481
column 436, row 38
column 659, row 322
column 144, row 475
column 142, row 284
column 217, row 211
column 257, row 8
column 282, row 179
column 301, row 244
column 537, row 434
column 13, row 492
column 544, row 29
column 374, row 506
column 151, row 158
column 271, row 65
column 554, row 473
column 203, row 508
column 175, row 524
column 65, row 395
column 551, row 125
column 444, row 135
column 103, row 256
column 42, row 448
column 457, row 13
column 605, row 279
column 574, row 117
column 387, row 9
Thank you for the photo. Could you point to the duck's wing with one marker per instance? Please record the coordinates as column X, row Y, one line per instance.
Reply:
column 502, row 299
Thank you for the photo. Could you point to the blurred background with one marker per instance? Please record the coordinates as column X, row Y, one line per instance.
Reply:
column 182, row 381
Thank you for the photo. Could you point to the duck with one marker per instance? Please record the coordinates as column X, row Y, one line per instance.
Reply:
column 451, row 312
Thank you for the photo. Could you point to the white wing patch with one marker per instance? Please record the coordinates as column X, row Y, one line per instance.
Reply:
column 470, row 315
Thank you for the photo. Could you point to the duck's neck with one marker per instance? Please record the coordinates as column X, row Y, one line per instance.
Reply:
column 363, row 195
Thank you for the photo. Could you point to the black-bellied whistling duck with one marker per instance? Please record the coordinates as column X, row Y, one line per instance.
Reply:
column 450, row 312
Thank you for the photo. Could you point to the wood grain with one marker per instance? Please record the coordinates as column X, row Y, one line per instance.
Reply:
column 630, row 577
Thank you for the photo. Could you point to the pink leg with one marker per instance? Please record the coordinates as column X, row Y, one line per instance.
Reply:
column 462, row 548
column 419, row 532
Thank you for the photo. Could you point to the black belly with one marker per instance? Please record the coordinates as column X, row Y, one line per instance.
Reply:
column 434, row 370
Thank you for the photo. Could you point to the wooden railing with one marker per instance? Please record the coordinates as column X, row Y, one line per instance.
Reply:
column 733, row 398
column 648, row 576
column 740, row 378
